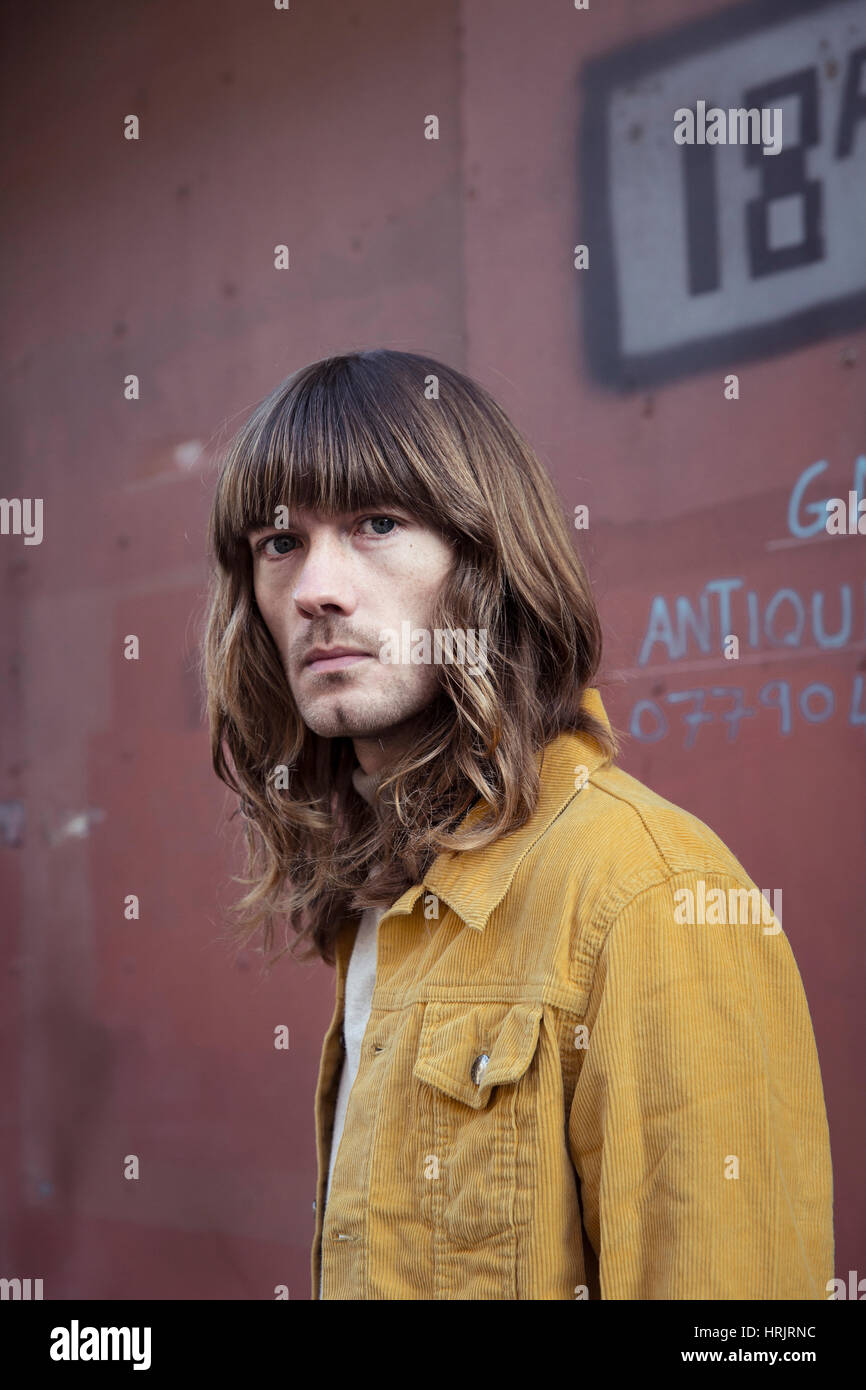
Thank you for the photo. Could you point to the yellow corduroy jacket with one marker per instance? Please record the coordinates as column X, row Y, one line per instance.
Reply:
column 565, row 1089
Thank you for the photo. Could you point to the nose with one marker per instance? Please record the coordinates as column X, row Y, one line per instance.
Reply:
column 325, row 582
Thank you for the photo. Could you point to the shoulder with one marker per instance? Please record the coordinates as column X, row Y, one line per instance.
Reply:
column 617, row 839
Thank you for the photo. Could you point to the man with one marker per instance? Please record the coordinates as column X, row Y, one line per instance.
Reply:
column 548, row 1074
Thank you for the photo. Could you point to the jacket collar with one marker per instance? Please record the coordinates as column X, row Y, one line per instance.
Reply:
column 473, row 882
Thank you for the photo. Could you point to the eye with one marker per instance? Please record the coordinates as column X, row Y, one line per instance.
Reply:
column 284, row 543
column 282, row 540
column 390, row 521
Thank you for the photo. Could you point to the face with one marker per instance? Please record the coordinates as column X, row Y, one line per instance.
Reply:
column 343, row 583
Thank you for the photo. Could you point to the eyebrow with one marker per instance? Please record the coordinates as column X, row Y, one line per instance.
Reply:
column 257, row 527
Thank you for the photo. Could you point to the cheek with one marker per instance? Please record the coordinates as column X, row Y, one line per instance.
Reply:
column 428, row 571
column 273, row 614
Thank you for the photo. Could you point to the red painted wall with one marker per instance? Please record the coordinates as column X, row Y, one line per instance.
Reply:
column 155, row 257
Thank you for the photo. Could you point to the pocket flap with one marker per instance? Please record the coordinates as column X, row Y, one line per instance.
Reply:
column 455, row 1039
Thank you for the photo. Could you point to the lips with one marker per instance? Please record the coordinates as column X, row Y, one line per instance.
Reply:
column 333, row 658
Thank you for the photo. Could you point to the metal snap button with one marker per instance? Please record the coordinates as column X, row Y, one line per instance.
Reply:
column 478, row 1068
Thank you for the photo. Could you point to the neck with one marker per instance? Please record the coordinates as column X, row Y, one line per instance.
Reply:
column 381, row 751
column 365, row 783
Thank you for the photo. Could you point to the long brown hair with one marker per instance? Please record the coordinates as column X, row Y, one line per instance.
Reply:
column 339, row 435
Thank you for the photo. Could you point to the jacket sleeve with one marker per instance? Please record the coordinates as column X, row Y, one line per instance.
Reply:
column 697, row 1127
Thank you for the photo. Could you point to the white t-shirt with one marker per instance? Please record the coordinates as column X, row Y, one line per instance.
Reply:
column 360, row 982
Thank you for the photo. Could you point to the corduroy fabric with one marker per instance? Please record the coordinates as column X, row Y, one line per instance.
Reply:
column 650, row 1120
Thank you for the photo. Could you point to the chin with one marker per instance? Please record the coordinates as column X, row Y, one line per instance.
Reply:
column 338, row 722
column 344, row 720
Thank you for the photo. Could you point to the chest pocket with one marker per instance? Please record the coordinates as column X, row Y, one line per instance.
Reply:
column 476, row 1111
column 467, row 1050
